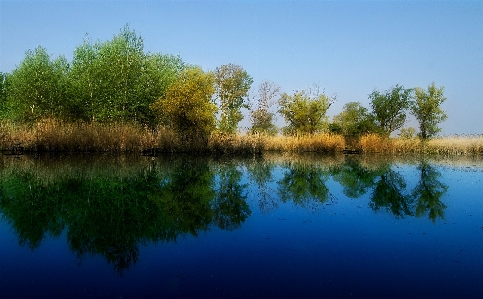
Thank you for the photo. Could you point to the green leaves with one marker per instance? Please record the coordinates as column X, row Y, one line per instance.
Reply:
column 116, row 81
column 354, row 120
column 303, row 112
column 389, row 108
column 426, row 108
column 38, row 87
column 232, row 84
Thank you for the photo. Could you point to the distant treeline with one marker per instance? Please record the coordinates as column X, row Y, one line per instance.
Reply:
column 116, row 81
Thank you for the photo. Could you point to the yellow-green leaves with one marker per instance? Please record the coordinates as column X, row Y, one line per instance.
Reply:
column 187, row 107
column 304, row 113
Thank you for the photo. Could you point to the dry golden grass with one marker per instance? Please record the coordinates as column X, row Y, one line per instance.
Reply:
column 326, row 143
column 456, row 145
column 57, row 136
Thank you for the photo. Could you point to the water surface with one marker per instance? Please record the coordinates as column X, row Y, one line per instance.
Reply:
column 306, row 226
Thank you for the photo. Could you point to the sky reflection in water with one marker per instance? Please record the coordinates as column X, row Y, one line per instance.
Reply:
column 290, row 227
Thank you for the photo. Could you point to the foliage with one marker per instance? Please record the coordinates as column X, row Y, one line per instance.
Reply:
column 261, row 118
column 232, row 84
column 116, row 81
column 389, row 107
column 38, row 88
column 187, row 107
column 354, row 120
column 304, row 113
column 426, row 108
column 4, row 82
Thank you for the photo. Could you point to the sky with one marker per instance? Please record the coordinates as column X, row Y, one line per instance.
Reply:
column 349, row 48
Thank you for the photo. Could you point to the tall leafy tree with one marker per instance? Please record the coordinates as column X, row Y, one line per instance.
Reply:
column 427, row 110
column 187, row 106
column 389, row 107
column 38, row 88
column 116, row 81
column 260, row 117
column 305, row 113
column 232, row 84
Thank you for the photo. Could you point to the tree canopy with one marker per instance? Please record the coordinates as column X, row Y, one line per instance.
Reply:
column 187, row 106
column 304, row 113
column 389, row 107
column 427, row 110
column 354, row 120
column 116, row 81
column 38, row 87
column 232, row 84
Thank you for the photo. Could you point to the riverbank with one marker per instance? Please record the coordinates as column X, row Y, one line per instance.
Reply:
column 55, row 136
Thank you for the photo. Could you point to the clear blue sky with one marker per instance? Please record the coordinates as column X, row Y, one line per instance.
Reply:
column 349, row 47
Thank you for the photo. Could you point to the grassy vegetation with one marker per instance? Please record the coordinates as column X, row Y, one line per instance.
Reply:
column 58, row 136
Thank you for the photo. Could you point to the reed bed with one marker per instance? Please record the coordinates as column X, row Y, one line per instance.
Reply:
column 57, row 136
column 325, row 143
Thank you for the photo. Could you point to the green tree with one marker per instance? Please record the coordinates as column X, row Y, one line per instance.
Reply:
column 116, row 81
column 389, row 108
column 354, row 120
column 38, row 88
column 305, row 113
column 232, row 84
column 427, row 110
column 187, row 107
column 261, row 118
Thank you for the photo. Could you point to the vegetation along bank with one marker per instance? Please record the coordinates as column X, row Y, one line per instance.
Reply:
column 114, row 97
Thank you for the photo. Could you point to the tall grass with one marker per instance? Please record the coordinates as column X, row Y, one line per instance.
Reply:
column 57, row 136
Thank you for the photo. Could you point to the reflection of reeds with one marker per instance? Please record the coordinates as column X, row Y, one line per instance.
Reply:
column 58, row 136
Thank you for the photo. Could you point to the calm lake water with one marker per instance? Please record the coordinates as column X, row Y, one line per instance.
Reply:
column 305, row 226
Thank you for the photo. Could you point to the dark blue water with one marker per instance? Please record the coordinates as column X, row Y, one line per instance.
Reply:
column 183, row 227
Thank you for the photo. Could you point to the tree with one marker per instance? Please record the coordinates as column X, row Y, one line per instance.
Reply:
column 187, row 107
column 38, row 87
column 389, row 107
column 116, row 81
column 426, row 108
column 261, row 118
column 354, row 120
column 305, row 113
column 232, row 84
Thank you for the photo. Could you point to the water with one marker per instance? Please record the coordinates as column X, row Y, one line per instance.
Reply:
column 204, row 227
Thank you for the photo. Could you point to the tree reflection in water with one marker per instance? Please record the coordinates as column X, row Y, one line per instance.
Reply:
column 389, row 193
column 304, row 184
column 111, row 213
column 428, row 192
column 112, row 208
column 261, row 174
